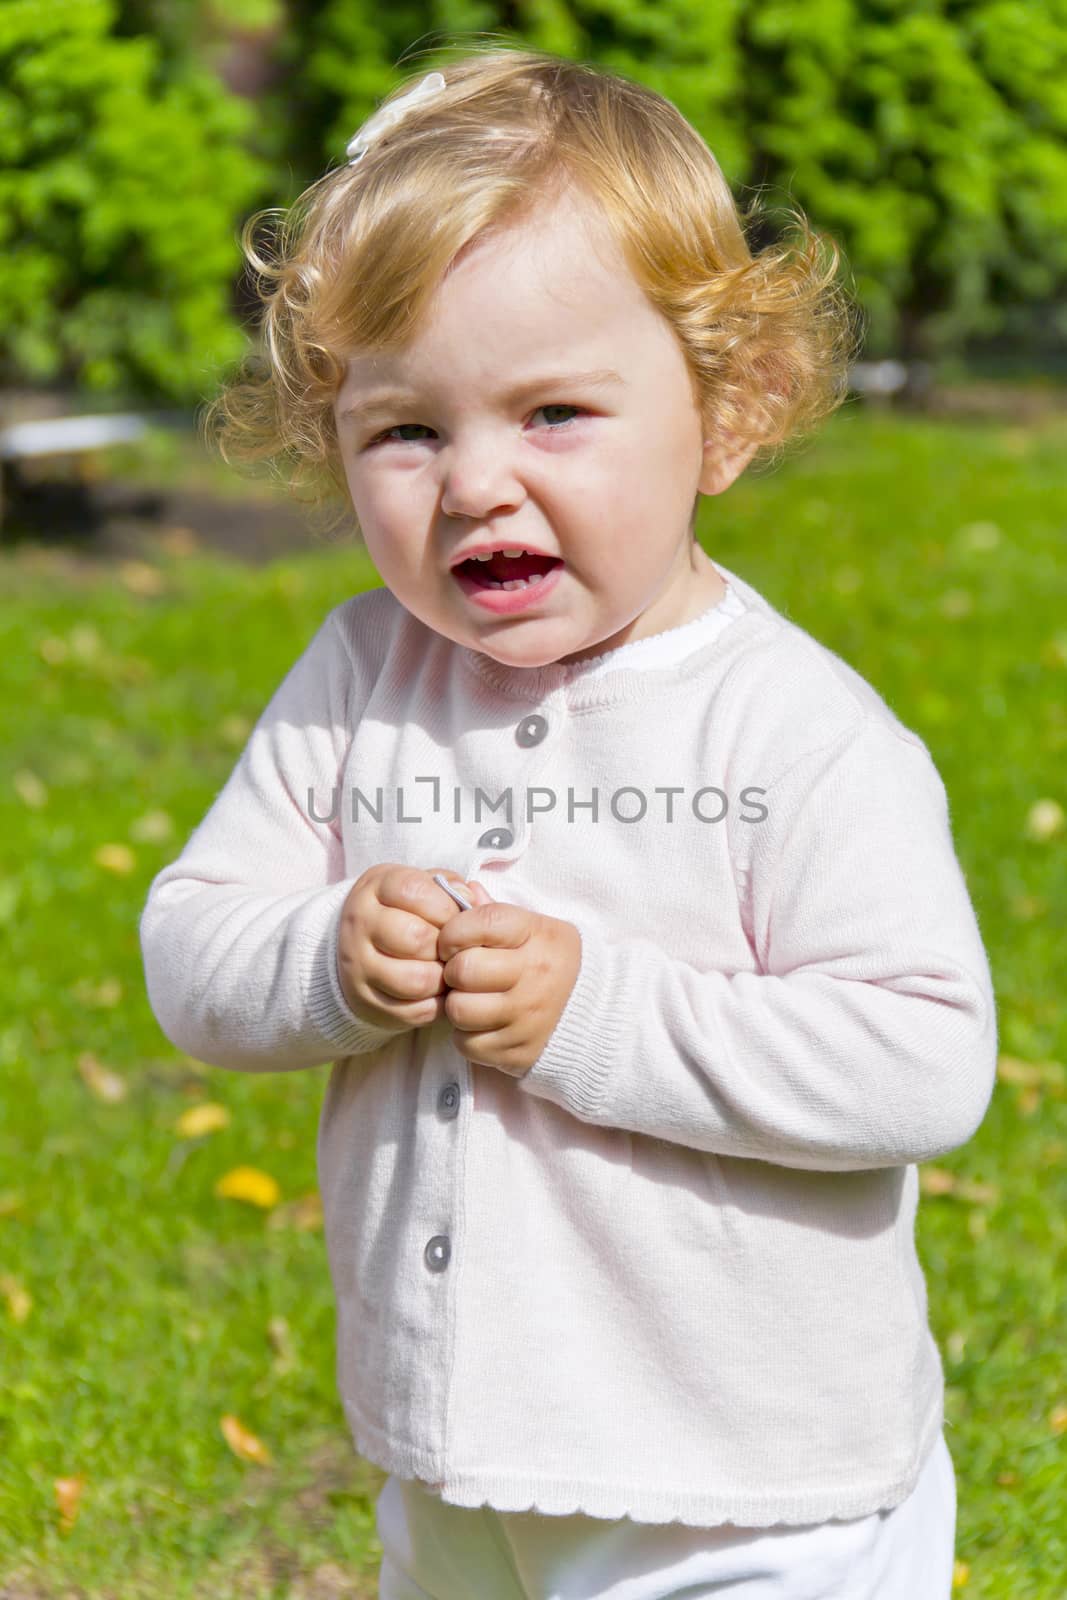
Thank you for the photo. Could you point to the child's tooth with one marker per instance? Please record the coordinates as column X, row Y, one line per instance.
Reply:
column 481, row 558
column 511, row 552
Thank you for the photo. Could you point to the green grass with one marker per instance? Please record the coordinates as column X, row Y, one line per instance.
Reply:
column 929, row 555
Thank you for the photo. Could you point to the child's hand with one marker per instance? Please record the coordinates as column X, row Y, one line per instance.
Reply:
column 387, row 945
column 510, row 972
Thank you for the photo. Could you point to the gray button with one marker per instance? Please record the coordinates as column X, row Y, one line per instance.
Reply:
column 497, row 838
column 437, row 1252
column 531, row 730
column 448, row 1100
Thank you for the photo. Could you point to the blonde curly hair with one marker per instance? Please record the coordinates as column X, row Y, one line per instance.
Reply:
column 768, row 338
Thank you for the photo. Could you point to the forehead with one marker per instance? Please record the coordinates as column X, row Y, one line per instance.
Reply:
column 559, row 259
column 552, row 286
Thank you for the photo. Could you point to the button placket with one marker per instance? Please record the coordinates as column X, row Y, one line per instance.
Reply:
column 437, row 1252
column 531, row 731
column 527, row 733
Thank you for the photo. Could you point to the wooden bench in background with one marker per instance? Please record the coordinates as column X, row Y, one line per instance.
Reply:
column 63, row 436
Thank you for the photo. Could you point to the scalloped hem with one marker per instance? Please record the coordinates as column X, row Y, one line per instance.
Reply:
column 501, row 1491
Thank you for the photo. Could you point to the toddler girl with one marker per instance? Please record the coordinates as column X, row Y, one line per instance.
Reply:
column 618, row 1164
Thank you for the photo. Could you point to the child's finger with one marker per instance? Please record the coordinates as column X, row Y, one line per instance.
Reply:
column 507, row 929
column 413, row 889
column 403, row 980
column 482, row 970
column 413, row 1011
column 404, row 934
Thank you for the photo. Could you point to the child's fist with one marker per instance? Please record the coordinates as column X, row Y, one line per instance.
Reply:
column 510, row 972
column 387, row 959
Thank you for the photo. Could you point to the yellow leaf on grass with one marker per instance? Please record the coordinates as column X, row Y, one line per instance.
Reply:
column 29, row 788
column 956, row 603
column 938, row 1180
column 1045, row 819
column 980, row 536
column 85, row 642
column 235, row 729
column 152, row 828
column 304, row 1214
column 979, row 1194
column 245, row 1445
column 960, row 1573
column 105, row 1085
column 106, row 993
column 54, row 651
column 207, row 1117
column 935, row 1180
column 307, row 1212
column 11, row 1203
column 115, row 858
column 180, row 541
column 1030, row 1074
column 1058, row 1419
column 281, row 1340
column 248, row 1183
column 68, row 1492
column 19, row 1300
column 140, row 578
column 1025, row 907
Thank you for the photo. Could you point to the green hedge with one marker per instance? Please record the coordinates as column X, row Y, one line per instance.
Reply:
column 928, row 136
column 120, row 194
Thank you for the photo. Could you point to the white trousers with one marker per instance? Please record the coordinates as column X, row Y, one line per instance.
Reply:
column 435, row 1551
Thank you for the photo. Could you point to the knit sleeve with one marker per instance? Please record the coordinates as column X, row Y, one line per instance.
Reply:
column 239, row 934
column 867, row 1036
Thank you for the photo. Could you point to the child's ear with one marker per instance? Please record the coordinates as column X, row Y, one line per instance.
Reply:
column 725, row 458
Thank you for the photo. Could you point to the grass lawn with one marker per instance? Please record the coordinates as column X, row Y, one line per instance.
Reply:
column 139, row 1308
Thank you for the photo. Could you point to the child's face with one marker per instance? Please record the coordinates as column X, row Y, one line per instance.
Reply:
column 607, row 489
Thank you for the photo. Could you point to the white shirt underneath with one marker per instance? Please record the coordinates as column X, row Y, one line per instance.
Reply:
column 663, row 649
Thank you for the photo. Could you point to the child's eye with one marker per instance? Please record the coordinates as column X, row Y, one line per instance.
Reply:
column 387, row 436
column 569, row 420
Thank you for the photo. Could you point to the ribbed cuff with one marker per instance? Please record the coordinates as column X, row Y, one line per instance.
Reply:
column 326, row 1003
column 573, row 1068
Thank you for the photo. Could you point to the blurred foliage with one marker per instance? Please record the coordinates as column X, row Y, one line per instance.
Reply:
column 120, row 187
column 929, row 136
column 197, row 29
column 926, row 136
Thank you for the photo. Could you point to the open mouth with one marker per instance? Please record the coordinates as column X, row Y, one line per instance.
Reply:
column 507, row 572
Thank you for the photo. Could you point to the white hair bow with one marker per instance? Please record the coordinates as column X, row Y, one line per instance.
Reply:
column 388, row 115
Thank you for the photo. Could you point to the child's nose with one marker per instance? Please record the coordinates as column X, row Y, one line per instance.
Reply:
column 478, row 481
